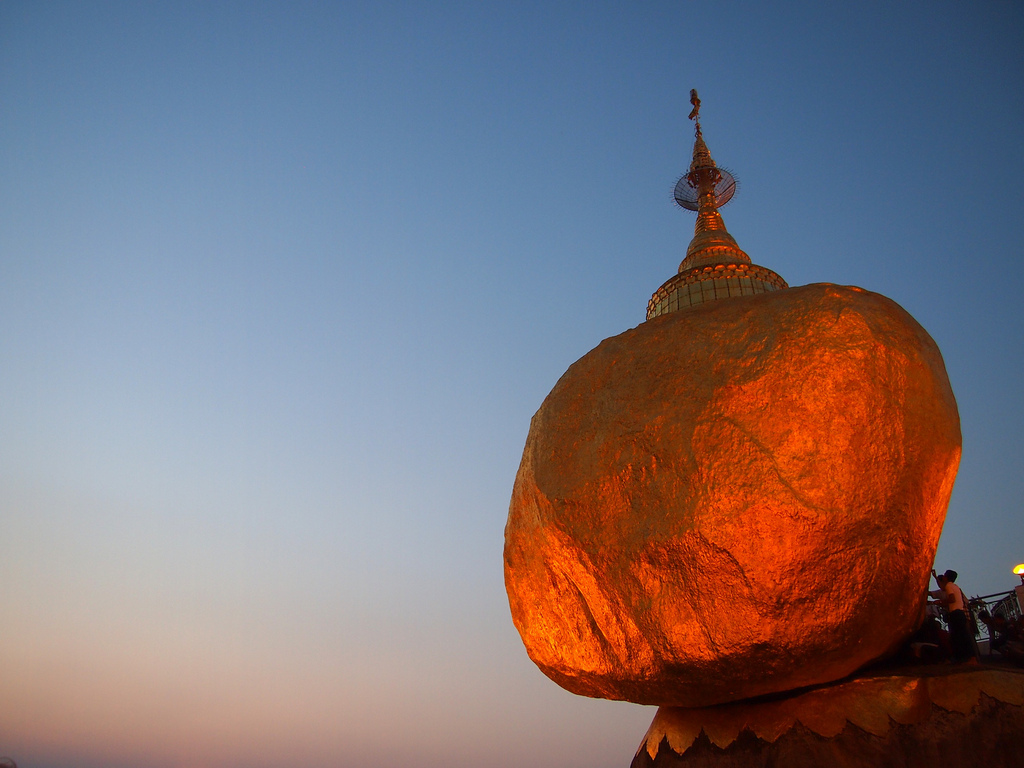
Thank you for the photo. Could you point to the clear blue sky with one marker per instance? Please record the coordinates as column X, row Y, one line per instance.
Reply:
column 281, row 286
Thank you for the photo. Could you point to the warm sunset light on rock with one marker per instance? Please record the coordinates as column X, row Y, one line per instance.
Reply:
column 741, row 496
column 738, row 499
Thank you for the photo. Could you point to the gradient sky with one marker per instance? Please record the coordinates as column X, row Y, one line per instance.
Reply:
column 281, row 286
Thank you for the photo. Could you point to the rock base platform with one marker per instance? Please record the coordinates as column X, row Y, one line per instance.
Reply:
column 934, row 717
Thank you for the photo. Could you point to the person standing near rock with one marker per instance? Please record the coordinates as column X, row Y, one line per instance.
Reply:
column 952, row 597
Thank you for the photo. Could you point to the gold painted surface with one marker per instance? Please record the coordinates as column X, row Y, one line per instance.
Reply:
column 948, row 693
column 869, row 703
column 737, row 500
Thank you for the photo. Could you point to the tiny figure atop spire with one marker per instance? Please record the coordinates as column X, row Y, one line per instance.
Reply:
column 695, row 112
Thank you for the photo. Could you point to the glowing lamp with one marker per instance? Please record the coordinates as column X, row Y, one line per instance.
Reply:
column 1019, row 570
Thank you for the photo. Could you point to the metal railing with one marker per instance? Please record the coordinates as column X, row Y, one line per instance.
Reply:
column 1004, row 603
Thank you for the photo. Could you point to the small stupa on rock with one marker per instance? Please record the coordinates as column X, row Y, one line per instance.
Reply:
column 715, row 267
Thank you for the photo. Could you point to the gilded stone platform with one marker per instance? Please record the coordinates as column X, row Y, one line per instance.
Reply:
column 933, row 717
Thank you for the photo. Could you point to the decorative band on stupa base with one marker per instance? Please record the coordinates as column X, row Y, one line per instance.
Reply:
column 710, row 283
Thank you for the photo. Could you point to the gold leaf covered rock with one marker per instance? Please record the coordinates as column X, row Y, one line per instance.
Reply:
column 737, row 499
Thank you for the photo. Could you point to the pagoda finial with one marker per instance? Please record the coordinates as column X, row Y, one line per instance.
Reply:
column 705, row 188
column 695, row 112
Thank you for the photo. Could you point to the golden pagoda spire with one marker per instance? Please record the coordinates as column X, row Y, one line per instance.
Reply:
column 715, row 267
column 712, row 187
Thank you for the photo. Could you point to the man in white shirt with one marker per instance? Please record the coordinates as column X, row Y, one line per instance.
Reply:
column 952, row 597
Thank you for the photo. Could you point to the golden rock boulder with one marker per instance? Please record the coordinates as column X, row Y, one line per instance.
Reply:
column 733, row 500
